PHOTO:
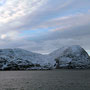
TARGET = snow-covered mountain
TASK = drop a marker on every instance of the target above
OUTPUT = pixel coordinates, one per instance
(71, 57)
(65, 57)
(21, 59)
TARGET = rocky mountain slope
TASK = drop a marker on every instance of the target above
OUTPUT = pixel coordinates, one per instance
(65, 57)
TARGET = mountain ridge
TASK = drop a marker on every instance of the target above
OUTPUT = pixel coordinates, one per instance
(20, 59)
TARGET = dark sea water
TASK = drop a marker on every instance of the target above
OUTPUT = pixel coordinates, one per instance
(45, 80)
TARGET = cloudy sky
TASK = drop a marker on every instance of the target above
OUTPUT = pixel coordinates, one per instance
(44, 25)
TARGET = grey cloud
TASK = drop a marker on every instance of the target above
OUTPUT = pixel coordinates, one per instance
(72, 26)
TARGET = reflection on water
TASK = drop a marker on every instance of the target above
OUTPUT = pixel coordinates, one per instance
(45, 80)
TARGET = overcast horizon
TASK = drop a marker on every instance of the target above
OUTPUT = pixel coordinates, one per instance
(43, 26)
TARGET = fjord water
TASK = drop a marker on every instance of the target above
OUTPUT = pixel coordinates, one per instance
(45, 80)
